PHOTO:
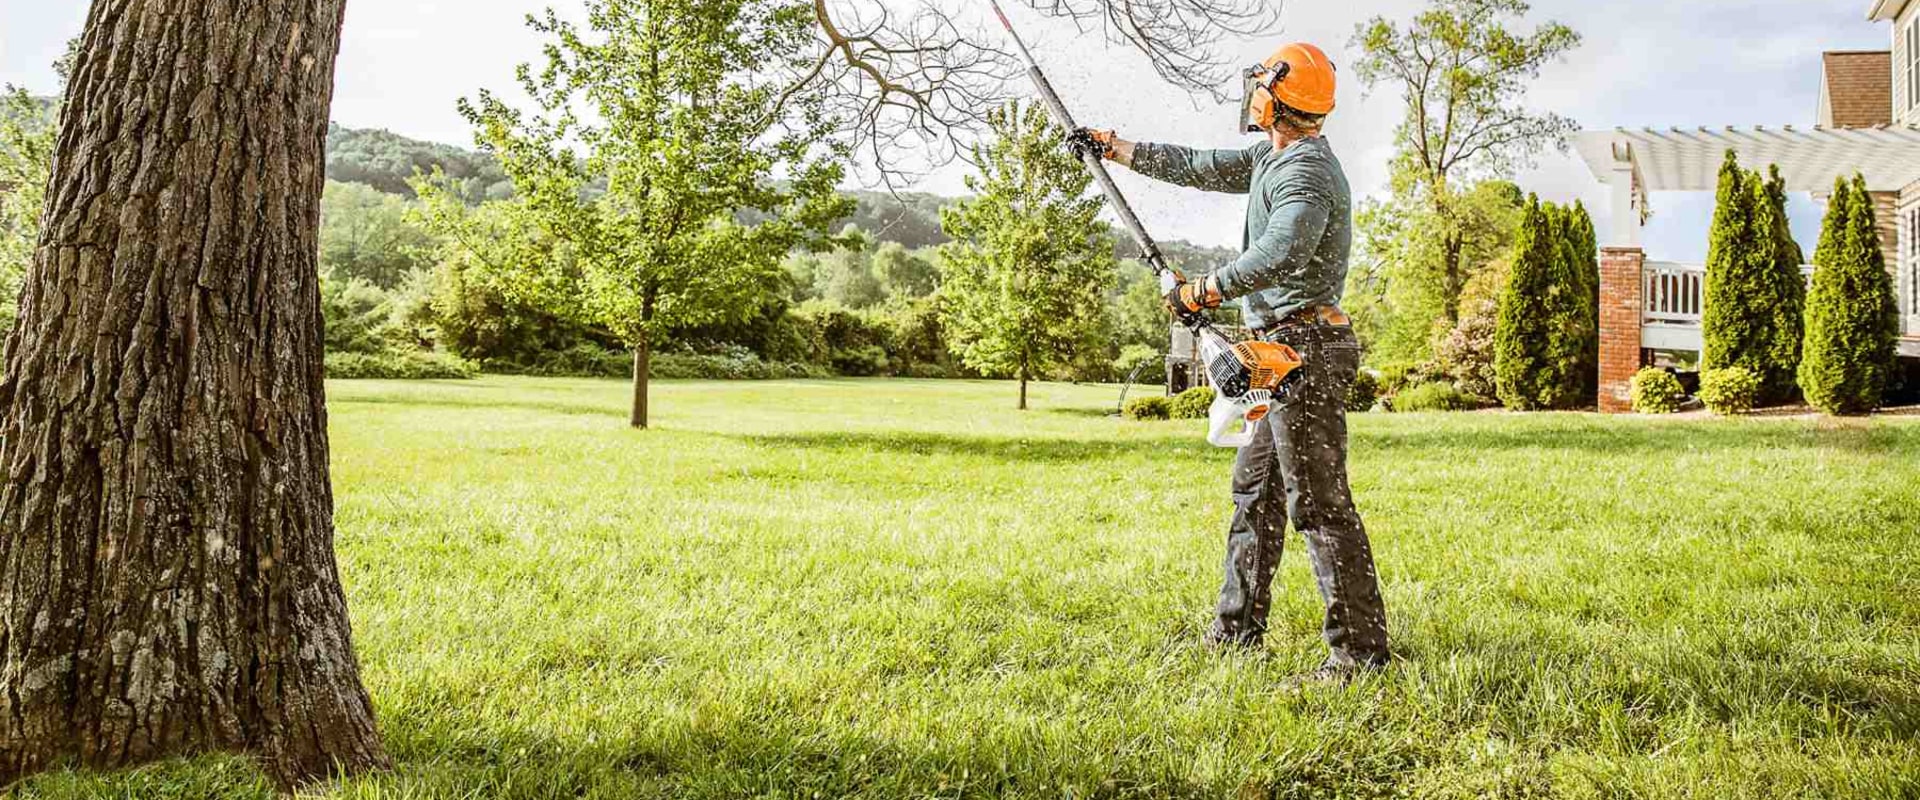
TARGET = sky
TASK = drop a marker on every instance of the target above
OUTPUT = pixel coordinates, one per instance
(1643, 63)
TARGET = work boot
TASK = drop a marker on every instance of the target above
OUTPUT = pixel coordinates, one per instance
(1219, 640)
(1328, 674)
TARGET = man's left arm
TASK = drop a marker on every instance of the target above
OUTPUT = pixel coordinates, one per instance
(1281, 251)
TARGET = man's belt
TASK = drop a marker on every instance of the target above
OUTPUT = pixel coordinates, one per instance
(1303, 317)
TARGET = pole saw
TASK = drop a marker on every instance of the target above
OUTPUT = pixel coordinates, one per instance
(1245, 376)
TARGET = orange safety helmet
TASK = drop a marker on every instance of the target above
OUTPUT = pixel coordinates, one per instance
(1299, 75)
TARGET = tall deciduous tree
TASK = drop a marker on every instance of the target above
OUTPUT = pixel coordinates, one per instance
(1755, 293)
(1852, 320)
(689, 110)
(167, 575)
(1028, 271)
(1463, 74)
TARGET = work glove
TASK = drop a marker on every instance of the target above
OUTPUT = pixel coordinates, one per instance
(1088, 140)
(1187, 300)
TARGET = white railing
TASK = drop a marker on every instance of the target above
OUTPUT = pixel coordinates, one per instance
(1674, 292)
(1674, 295)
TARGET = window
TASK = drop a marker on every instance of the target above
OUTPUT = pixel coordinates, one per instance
(1912, 62)
(1913, 262)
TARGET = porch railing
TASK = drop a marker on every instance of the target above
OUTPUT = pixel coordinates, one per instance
(1675, 295)
(1674, 292)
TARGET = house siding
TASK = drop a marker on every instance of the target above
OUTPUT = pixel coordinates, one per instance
(1904, 109)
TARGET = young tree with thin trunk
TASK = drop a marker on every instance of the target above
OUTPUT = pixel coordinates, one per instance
(167, 576)
(1027, 275)
(694, 114)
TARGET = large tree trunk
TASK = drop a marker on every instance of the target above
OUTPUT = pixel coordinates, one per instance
(167, 576)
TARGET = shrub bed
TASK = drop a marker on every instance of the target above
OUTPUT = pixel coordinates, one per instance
(399, 366)
(1191, 404)
(1732, 390)
(1434, 397)
(1142, 409)
(1657, 391)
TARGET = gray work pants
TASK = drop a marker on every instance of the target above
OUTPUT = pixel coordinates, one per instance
(1296, 468)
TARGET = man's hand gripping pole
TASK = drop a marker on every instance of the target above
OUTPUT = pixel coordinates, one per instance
(1245, 376)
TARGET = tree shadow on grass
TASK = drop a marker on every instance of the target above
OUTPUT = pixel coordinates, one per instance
(1631, 438)
(1187, 443)
(488, 402)
(995, 448)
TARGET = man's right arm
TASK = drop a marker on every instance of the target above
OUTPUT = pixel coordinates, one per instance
(1228, 171)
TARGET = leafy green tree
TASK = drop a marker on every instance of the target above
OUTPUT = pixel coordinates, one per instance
(501, 283)
(1463, 73)
(1398, 293)
(847, 277)
(687, 111)
(1852, 321)
(1754, 294)
(1537, 335)
(905, 273)
(368, 235)
(1028, 271)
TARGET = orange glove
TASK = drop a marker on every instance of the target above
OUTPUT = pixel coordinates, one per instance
(1188, 299)
(1088, 140)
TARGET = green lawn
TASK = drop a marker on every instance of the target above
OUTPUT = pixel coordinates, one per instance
(901, 588)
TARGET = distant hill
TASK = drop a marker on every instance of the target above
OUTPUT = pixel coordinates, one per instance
(386, 161)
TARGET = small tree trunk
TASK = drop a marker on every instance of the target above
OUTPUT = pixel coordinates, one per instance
(167, 575)
(641, 368)
(1023, 387)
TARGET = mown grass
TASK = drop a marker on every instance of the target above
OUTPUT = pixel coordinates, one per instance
(897, 588)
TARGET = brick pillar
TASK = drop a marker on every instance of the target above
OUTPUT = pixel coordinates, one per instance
(1622, 308)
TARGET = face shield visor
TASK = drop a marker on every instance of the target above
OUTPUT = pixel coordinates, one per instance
(1256, 96)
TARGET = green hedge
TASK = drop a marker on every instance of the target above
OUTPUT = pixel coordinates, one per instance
(400, 366)
(728, 367)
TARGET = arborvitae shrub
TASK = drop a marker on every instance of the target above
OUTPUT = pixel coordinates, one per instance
(1852, 322)
(1538, 332)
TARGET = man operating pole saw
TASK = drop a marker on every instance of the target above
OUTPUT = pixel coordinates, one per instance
(1299, 228)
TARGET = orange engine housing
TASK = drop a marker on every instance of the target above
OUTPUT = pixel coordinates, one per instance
(1267, 363)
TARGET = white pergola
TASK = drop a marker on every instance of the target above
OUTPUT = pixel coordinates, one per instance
(1636, 162)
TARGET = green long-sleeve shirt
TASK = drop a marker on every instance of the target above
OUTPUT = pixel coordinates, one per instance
(1299, 228)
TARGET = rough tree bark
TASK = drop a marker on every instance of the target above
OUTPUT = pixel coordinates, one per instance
(167, 576)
